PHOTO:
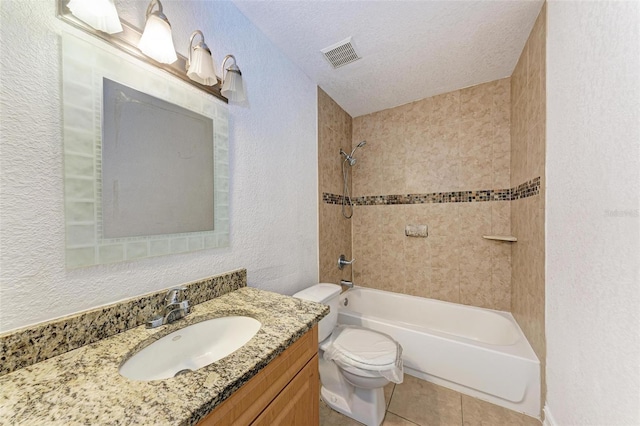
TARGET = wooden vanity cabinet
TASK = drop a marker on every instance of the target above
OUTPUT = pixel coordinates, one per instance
(285, 392)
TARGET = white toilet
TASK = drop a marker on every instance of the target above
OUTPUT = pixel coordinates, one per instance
(355, 362)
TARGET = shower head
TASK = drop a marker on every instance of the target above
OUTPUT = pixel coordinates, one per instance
(349, 157)
(360, 145)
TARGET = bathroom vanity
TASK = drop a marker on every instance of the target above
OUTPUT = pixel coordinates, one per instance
(272, 379)
(285, 392)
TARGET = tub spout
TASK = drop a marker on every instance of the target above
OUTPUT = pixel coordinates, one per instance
(348, 284)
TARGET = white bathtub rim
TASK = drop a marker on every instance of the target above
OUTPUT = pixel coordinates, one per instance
(475, 308)
(520, 349)
(504, 316)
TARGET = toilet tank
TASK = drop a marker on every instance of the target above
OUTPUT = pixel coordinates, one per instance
(327, 294)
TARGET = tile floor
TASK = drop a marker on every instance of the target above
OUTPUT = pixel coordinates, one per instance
(417, 402)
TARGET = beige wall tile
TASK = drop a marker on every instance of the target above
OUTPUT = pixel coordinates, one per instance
(476, 137)
(442, 252)
(335, 239)
(476, 173)
(475, 220)
(454, 141)
(392, 219)
(445, 108)
(443, 284)
(389, 268)
(334, 132)
(426, 177)
(501, 170)
(392, 180)
(417, 254)
(536, 151)
(527, 162)
(441, 219)
(417, 114)
(476, 102)
(476, 288)
(519, 76)
(416, 281)
(501, 218)
(419, 146)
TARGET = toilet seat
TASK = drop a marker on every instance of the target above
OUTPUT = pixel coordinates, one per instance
(365, 349)
(364, 352)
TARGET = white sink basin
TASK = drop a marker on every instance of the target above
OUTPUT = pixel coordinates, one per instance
(190, 348)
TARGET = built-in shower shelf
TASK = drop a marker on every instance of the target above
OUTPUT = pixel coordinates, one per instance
(508, 238)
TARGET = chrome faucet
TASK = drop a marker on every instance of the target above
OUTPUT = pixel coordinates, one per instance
(348, 284)
(176, 307)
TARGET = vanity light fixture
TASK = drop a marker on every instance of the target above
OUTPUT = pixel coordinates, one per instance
(201, 67)
(99, 14)
(156, 41)
(232, 85)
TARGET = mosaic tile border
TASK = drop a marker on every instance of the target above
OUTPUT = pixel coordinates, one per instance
(527, 189)
(32, 344)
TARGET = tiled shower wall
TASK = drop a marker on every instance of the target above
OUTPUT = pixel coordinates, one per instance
(334, 132)
(528, 101)
(458, 141)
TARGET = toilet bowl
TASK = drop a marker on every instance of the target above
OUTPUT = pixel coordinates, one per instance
(355, 363)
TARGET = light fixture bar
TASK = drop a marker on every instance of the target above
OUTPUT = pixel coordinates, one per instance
(127, 41)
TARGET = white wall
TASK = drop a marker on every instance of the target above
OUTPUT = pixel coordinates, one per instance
(273, 168)
(593, 228)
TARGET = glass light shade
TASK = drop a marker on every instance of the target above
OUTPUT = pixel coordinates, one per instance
(156, 41)
(202, 67)
(233, 87)
(100, 14)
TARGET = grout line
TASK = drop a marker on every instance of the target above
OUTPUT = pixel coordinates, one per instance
(461, 412)
(405, 419)
(386, 408)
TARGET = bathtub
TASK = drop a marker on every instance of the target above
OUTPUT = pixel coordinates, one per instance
(475, 351)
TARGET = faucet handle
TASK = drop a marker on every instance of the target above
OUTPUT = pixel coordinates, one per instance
(173, 295)
(342, 261)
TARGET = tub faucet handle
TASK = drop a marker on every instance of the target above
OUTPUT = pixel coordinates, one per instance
(342, 261)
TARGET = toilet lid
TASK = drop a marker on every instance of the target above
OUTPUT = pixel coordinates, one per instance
(367, 349)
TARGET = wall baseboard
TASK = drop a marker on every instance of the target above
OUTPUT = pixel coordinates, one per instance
(548, 417)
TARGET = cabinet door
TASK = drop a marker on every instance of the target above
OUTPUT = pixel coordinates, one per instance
(298, 404)
(246, 404)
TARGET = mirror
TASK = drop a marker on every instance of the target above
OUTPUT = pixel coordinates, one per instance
(146, 160)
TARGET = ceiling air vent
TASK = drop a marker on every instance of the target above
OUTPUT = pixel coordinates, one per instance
(341, 53)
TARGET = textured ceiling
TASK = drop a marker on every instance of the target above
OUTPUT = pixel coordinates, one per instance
(410, 49)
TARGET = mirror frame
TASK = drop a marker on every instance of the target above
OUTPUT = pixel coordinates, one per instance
(85, 63)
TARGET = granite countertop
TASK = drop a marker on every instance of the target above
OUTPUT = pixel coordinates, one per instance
(83, 386)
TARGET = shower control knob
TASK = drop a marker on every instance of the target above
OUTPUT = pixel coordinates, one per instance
(342, 261)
